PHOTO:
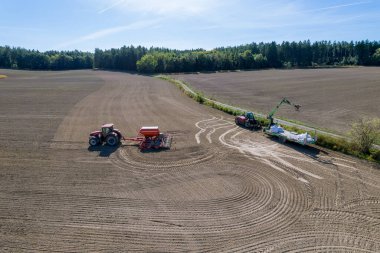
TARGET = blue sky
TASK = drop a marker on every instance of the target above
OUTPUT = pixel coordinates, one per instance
(89, 24)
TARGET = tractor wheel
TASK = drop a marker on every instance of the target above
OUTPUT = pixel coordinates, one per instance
(246, 124)
(93, 141)
(236, 121)
(282, 139)
(112, 140)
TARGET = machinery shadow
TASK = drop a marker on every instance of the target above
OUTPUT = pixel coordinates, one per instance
(104, 150)
(154, 150)
(251, 129)
(310, 151)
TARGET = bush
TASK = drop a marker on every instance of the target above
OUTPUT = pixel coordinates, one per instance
(199, 98)
(364, 133)
(263, 121)
(287, 65)
(344, 146)
(147, 64)
(376, 155)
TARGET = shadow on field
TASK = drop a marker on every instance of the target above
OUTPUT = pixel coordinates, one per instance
(104, 150)
(309, 151)
(253, 129)
(154, 150)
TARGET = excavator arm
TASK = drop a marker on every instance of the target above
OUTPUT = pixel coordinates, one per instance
(283, 101)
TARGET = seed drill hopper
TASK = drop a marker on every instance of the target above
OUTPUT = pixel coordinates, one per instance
(150, 137)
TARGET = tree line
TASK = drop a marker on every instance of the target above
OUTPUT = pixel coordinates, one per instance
(250, 56)
(160, 60)
(20, 58)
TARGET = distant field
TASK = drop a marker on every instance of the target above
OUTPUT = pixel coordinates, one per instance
(330, 98)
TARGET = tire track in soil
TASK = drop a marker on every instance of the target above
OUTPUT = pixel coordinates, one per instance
(287, 167)
(124, 158)
(220, 187)
(262, 151)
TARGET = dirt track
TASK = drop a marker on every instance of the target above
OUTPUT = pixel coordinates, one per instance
(220, 187)
(331, 98)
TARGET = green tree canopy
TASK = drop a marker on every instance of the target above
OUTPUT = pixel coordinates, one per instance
(147, 64)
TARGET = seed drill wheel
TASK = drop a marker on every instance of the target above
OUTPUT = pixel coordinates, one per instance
(93, 141)
(112, 139)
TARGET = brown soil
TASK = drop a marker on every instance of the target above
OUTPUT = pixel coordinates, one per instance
(330, 98)
(220, 187)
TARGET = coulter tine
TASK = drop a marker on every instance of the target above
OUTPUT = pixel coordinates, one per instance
(168, 141)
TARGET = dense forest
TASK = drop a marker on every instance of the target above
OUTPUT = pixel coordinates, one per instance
(251, 56)
(158, 60)
(19, 58)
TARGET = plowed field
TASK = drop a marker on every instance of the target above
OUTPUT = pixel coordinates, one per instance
(330, 98)
(219, 188)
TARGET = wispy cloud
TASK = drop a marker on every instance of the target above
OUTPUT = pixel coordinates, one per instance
(336, 6)
(286, 15)
(114, 5)
(163, 7)
(105, 32)
(28, 29)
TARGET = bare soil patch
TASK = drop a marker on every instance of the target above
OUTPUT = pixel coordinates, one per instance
(330, 98)
(220, 187)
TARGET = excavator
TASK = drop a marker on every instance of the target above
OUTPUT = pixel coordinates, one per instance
(276, 130)
(274, 110)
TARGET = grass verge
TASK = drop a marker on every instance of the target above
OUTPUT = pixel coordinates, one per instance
(333, 143)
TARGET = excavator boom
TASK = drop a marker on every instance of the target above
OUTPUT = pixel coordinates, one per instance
(283, 101)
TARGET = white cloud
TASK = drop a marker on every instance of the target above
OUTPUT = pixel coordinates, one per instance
(105, 32)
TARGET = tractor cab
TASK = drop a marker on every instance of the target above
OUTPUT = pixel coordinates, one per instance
(249, 115)
(106, 129)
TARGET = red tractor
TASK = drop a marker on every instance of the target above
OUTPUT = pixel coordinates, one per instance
(149, 137)
(248, 120)
(107, 134)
